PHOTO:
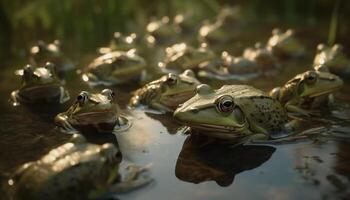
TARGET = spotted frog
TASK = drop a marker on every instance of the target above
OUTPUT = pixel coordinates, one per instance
(332, 59)
(306, 91)
(39, 85)
(93, 112)
(117, 67)
(285, 44)
(76, 170)
(234, 113)
(166, 93)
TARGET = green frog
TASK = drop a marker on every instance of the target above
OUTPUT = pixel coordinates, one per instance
(162, 31)
(228, 67)
(93, 111)
(285, 44)
(332, 59)
(181, 56)
(76, 170)
(225, 28)
(234, 113)
(166, 93)
(39, 85)
(306, 91)
(120, 42)
(44, 52)
(263, 58)
(117, 67)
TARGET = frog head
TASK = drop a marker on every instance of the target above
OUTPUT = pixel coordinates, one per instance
(213, 112)
(314, 83)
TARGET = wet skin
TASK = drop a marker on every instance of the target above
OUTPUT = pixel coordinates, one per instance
(234, 113)
(166, 93)
(116, 67)
(39, 85)
(301, 92)
(73, 170)
(95, 111)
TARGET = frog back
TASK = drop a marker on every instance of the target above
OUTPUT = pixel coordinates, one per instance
(263, 113)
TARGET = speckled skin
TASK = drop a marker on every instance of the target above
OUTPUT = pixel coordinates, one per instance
(159, 95)
(301, 94)
(262, 114)
(260, 109)
(75, 170)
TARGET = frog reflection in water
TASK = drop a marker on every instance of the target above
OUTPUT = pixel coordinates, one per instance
(76, 170)
(93, 112)
(285, 44)
(181, 56)
(332, 59)
(116, 67)
(307, 91)
(50, 52)
(220, 163)
(234, 113)
(166, 93)
(39, 85)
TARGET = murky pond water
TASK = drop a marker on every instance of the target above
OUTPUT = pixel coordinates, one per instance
(307, 169)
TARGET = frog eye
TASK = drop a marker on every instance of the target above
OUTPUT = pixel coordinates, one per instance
(310, 77)
(50, 66)
(189, 73)
(225, 104)
(82, 97)
(276, 31)
(28, 69)
(321, 47)
(290, 32)
(171, 79)
(109, 93)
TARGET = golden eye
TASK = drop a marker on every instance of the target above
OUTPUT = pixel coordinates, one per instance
(225, 104)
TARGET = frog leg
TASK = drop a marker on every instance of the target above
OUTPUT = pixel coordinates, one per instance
(134, 179)
(295, 109)
(63, 123)
(14, 98)
(64, 95)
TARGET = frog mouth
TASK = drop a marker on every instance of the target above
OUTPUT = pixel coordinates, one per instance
(216, 128)
(96, 117)
(323, 92)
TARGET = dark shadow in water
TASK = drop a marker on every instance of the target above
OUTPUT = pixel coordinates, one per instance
(167, 121)
(218, 162)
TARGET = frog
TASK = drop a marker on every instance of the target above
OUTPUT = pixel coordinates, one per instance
(285, 44)
(167, 92)
(77, 170)
(93, 112)
(117, 67)
(39, 85)
(234, 114)
(264, 59)
(181, 56)
(224, 28)
(162, 31)
(332, 59)
(228, 67)
(44, 52)
(120, 42)
(307, 91)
